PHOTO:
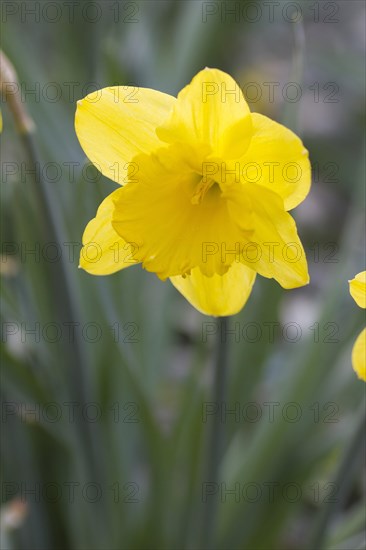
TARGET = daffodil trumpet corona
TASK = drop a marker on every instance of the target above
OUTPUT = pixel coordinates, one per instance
(205, 190)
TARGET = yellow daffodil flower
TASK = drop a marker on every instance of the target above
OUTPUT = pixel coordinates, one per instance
(357, 288)
(206, 186)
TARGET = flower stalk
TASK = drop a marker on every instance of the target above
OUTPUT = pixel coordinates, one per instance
(64, 306)
(10, 91)
(216, 434)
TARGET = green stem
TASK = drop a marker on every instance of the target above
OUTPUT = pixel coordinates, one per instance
(59, 280)
(342, 483)
(216, 435)
(71, 357)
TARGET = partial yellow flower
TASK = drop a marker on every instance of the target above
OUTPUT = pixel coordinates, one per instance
(359, 356)
(357, 288)
(206, 189)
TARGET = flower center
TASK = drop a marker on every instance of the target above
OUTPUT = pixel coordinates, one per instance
(202, 188)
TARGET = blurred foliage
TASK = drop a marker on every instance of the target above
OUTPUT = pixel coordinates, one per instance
(116, 446)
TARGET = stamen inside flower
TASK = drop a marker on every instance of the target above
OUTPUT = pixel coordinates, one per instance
(202, 188)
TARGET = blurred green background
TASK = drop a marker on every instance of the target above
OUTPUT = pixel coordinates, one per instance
(107, 382)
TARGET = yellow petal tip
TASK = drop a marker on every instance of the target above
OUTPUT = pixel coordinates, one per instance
(357, 288)
(358, 356)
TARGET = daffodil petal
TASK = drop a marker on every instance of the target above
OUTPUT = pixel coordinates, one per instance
(173, 232)
(115, 124)
(220, 294)
(277, 159)
(359, 356)
(104, 252)
(210, 111)
(357, 288)
(275, 250)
